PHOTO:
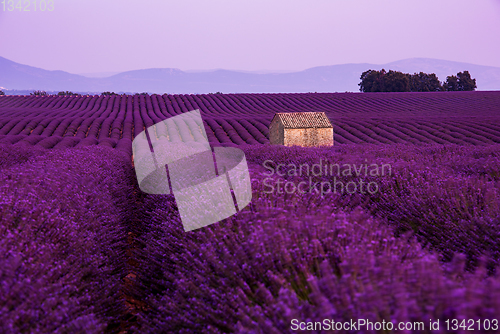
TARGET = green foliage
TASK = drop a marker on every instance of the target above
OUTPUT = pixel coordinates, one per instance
(1, 92)
(394, 81)
(451, 83)
(215, 93)
(423, 82)
(108, 93)
(382, 81)
(372, 81)
(465, 82)
(39, 93)
(64, 93)
(461, 82)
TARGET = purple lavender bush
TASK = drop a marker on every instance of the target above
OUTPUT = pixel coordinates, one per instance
(11, 155)
(448, 195)
(63, 216)
(302, 256)
(84, 250)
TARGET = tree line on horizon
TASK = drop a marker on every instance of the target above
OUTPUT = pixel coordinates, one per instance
(373, 81)
(395, 81)
(68, 93)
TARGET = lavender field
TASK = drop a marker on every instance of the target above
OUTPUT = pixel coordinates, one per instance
(85, 251)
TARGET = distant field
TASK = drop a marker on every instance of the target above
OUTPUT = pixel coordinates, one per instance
(386, 118)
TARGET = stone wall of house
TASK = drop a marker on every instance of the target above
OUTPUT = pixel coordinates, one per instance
(276, 132)
(308, 137)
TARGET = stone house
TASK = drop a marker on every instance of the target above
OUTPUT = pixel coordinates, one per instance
(301, 129)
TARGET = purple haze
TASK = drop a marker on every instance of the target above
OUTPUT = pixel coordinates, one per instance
(112, 36)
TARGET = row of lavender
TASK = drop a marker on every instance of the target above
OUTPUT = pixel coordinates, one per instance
(425, 246)
(86, 251)
(119, 130)
(244, 118)
(251, 105)
(64, 219)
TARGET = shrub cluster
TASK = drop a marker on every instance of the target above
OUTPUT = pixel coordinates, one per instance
(67, 93)
(395, 81)
(39, 93)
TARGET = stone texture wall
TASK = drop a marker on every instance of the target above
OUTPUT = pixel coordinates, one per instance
(276, 132)
(308, 137)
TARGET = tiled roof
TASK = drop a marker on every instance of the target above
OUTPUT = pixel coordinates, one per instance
(300, 120)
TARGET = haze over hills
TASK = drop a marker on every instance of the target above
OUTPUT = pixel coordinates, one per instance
(334, 78)
(98, 74)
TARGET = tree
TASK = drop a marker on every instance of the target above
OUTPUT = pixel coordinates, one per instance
(423, 82)
(109, 93)
(1, 93)
(382, 81)
(395, 81)
(372, 81)
(66, 93)
(465, 82)
(451, 83)
(461, 82)
(39, 93)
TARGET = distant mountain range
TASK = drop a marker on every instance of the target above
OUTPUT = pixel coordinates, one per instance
(335, 78)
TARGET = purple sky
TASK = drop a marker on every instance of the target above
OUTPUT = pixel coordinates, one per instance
(117, 35)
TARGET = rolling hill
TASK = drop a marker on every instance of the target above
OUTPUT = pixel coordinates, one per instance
(335, 78)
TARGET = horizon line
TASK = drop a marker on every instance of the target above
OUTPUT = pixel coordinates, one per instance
(86, 74)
